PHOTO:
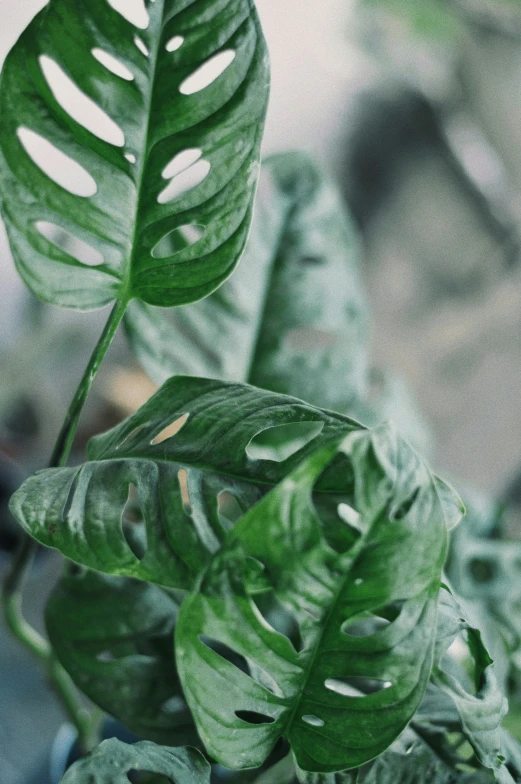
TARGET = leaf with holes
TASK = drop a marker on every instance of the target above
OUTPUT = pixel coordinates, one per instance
(478, 700)
(114, 636)
(367, 616)
(129, 148)
(162, 489)
(112, 761)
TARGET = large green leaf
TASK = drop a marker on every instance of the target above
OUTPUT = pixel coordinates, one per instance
(177, 484)
(112, 761)
(114, 636)
(367, 613)
(120, 103)
(293, 318)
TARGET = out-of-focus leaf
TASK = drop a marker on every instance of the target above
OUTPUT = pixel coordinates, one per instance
(126, 171)
(112, 761)
(293, 318)
(115, 638)
(181, 485)
(367, 615)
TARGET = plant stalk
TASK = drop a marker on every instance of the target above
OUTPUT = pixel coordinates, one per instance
(22, 562)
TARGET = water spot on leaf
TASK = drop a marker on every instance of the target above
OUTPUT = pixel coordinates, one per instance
(313, 721)
(112, 64)
(228, 509)
(64, 171)
(175, 43)
(252, 717)
(141, 45)
(177, 240)
(207, 73)
(183, 485)
(78, 105)
(134, 11)
(133, 524)
(171, 430)
(185, 181)
(80, 250)
(280, 442)
(356, 686)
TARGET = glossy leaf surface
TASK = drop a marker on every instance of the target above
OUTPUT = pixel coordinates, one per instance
(112, 761)
(293, 318)
(99, 116)
(177, 484)
(367, 615)
(115, 638)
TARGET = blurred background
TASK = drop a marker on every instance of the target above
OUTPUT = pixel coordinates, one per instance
(414, 108)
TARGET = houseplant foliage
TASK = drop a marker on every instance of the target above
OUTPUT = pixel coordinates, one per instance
(253, 579)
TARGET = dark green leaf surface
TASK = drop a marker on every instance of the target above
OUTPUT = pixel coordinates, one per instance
(112, 760)
(177, 483)
(293, 318)
(389, 577)
(121, 147)
(114, 636)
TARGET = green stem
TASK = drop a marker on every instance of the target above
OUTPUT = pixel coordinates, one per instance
(21, 564)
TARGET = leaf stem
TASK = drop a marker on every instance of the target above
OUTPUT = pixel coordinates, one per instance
(22, 562)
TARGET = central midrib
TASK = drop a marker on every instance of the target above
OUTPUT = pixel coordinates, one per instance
(158, 7)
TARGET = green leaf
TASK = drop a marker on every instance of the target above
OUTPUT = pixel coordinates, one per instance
(118, 101)
(368, 613)
(112, 760)
(481, 713)
(176, 484)
(293, 318)
(114, 636)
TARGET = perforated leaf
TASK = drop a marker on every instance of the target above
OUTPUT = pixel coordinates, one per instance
(366, 615)
(186, 490)
(115, 638)
(293, 318)
(112, 761)
(127, 169)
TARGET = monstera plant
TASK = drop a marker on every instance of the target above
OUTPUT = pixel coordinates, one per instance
(253, 580)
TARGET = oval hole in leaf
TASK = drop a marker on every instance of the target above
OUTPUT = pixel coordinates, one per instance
(356, 686)
(181, 161)
(174, 705)
(112, 64)
(81, 251)
(405, 508)
(225, 652)
(312, 261)
(143, 777)
(175, 43)
(171, 430)
(64, 171)
(177, 240)
(141, 45)
(462, 664)
(228, 509)
(349, 515)
(185, 181)
(130, 157)
(106, 656)
(365, 627)
(280, 442)
(132, 435)
(313, 721)
(182, 477)
(252, 717)
(207, 73)
(278, 617)
(78, 105)
(134, 11)
(133, 524)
